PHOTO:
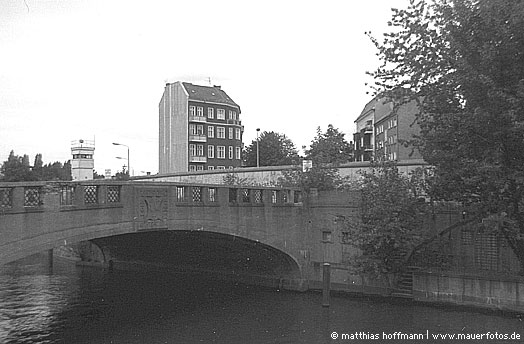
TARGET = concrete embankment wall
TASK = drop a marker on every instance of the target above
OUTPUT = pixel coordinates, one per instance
(506, 293)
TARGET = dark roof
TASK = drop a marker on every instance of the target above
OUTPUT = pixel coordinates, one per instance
(369, 106)
(208, 94)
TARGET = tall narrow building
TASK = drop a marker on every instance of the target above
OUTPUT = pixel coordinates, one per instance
(199, 129)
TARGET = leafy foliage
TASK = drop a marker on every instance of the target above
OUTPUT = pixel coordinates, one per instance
(316, 177)
(391, 222)
(463, 62)
(329, 147)
(274, 150)
(17, 168)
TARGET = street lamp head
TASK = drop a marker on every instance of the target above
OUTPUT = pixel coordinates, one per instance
(116, 144)
(258, 129)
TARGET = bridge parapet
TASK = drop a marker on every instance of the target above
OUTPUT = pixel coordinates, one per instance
(41, 196)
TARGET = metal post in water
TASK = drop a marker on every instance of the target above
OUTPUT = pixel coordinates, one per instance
(50, 259)
(326, 284)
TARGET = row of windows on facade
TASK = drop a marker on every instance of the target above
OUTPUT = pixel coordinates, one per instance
(391, 140)
(198, 150)
(198, 129)
(82, 156)
(390, 124)
(198, 111)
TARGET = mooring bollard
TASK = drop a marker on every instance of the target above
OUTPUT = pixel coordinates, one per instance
(326, 279)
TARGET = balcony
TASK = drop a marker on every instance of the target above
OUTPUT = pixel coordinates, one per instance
(194, 158)
(368, 128)
(234, 121)
(197, 119)
(198, 138)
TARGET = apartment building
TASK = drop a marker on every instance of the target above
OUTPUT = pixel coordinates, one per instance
(199, 129)
(381, 131)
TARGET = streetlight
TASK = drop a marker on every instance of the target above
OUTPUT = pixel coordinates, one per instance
(258, 156)
(128, 162)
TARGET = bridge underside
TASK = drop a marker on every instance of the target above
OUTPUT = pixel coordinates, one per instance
(216, 254)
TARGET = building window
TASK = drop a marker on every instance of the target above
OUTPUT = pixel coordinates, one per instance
(237, 133)
(200, 167)
(192, 168)
(221, 167)
(192, 129)
(234, 115)
(238, 153)
(191, 111)
(221, 132)
(210, 131)
(200, 150)
(200, 129)
(211, 151)
(211, 168)
(230, 133)
(192, 149)
(230, 114)
(230, 152)
(326, 236)
(200, 111)
(221, 114)
(210, 113)
(221, 152)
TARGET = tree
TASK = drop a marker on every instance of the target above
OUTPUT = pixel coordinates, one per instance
(463, 62)
(329, 147)
(317, 177)
(391, 222)
(16, 168)
(274, 149)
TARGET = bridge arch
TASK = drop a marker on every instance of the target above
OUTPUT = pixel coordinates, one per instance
(212, 253)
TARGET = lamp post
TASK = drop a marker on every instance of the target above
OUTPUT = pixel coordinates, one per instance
(258, 156)
(128, 162)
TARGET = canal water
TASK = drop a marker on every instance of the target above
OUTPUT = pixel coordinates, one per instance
(88, 305)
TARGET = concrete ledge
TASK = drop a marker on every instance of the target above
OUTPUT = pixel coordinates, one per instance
(504, 294)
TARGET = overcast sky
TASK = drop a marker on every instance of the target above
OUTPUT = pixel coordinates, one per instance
(72, 69)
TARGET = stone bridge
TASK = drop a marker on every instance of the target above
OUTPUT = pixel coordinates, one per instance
(262, 234)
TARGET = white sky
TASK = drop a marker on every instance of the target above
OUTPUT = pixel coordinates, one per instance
(72, 69)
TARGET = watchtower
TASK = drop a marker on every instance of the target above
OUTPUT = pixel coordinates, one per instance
(83, 163)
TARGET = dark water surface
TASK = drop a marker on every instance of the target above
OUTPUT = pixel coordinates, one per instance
(88, 305)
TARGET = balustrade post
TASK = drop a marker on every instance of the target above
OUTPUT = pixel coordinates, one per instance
(17, 200)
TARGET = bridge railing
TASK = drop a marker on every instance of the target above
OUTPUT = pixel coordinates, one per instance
(39, 196)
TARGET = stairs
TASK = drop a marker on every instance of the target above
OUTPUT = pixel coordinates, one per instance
(404, 288)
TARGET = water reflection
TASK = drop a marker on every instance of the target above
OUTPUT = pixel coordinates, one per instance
(84, 305)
